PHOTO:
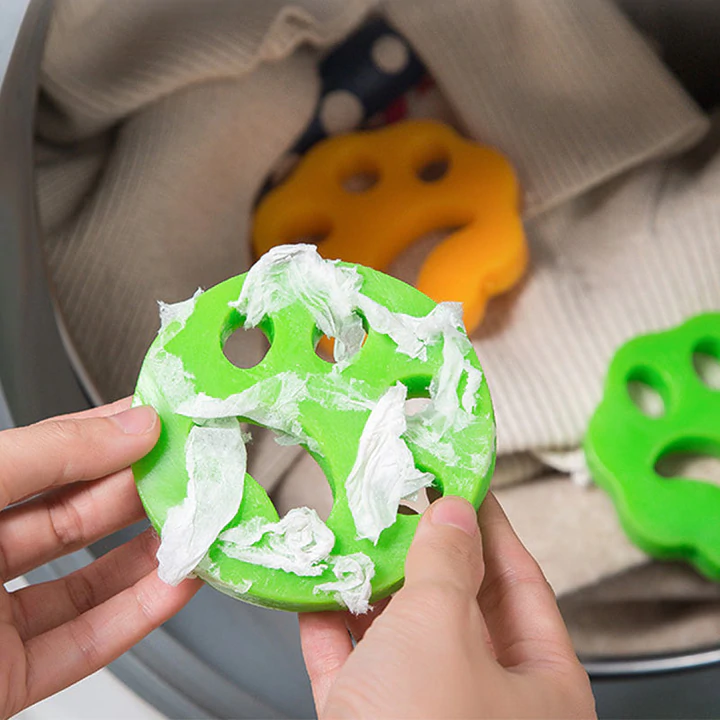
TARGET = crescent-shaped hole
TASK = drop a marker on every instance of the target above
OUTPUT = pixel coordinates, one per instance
(647, 391)
(246, 348)
(706, 362)
(304, 484)
(694, 459)
(361, 182)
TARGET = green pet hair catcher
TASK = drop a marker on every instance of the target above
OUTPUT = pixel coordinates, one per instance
(391, 343)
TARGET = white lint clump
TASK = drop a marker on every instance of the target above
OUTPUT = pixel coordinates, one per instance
(353, 586)
(273, 403)
(412, 334)
(164, 376)
(299, 543)
(171, 313)
(290, 273)
(384, 471)
(450, 412)
(215, 459)
(208, 567)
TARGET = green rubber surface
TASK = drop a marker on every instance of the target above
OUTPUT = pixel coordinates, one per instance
(666, 517)
(162, 478)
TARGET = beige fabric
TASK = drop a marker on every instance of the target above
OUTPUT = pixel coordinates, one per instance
(172, 112)
(551, 518)
(514, 468)
(159, 121)
(107, 60)
(640, 628)
(636, 255)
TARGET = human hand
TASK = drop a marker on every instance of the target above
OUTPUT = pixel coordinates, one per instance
(75, 472)
(474, 633)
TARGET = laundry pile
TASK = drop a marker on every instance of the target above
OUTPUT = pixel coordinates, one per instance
(159, 123)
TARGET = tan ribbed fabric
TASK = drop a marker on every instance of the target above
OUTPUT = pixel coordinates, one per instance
(160, 120)
(639, 254)
(168, 115)
(107, 60)
(568, 90)
(641, 628)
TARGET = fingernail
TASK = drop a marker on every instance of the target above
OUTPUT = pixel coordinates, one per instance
(137, 420)
(455, 511)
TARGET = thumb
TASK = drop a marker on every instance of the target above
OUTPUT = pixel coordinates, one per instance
(447, 549)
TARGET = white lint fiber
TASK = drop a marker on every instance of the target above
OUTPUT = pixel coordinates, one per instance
(178, 313)
(164, 375)
(448, 411)
(412, 334)
(215, 459)
(273, 403)
(336, 391)
(208, 567)
(352, 588)
(384, 471)
(290, 273)
(299, 543)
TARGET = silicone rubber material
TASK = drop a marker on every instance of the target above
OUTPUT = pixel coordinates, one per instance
(666, 517)
(162, 476)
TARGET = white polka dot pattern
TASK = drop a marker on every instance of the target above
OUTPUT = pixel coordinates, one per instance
(390, 54)
(341, 111)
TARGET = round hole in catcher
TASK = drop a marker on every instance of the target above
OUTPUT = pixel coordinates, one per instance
(325, 348)
(706, 361)
(418, 394)
(246, 348)
(341, 111)
(647, 391)
(434, 170)
(390, 54)
(361, 182)
(325, 345)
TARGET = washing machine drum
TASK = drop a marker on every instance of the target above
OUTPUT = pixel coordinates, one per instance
(134, 179)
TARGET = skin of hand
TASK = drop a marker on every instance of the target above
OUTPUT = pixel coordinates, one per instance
(65, 483)
(475, 632)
